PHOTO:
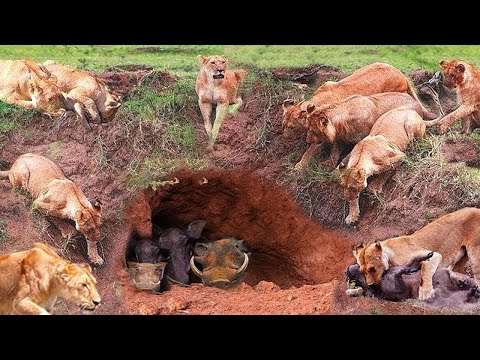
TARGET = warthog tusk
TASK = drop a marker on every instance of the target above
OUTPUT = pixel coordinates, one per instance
(244, 265)
(194, 268)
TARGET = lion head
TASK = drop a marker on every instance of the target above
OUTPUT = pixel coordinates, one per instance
(77, 284)
(353, 181)
(293, 115)
(318, 122)
(47, 97)
(372, 260)
(454, 73)
(215, 66)
(88, 221)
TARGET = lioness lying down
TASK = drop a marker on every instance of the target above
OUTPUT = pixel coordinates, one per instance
(378, 153)
(449, 237)
(350, 120)
(402, 282)
(84, 89)
(57, 196)
(371, 79)
(32, 280)
(24, 83)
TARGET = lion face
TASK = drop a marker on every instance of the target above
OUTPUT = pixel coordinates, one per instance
(111, 107)
(353, 182)
(293, 115)
(454, 73)
(78, 285)
(374, 264)
(215, 66)
(88, 223)
(46, 96)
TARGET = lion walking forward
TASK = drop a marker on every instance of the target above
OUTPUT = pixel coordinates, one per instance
(57, 196)
(32, 280)
(449, 238)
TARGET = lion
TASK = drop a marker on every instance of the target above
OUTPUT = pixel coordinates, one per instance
(24, 83)
(368, 80)
(217, 86)
(350, 120)
(55, 195)
(466, 79)
(378, 154)
(449, 237)
(32, 280)
(84, 89)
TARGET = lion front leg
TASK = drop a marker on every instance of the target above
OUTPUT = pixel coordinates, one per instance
(353, 212)
(27, 307)
(426, 291)
(206, 110)
(93, 255)
(221, 112)
(238, 103)
(461, 112)
(311, 151)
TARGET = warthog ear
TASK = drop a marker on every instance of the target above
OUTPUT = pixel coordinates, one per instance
(287, 104)
(310, 108)
(200, 249)
(195, 228)
(203, 59)
(112, 104)
(461, 67)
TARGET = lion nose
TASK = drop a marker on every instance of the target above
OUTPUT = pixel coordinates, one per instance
(220, 70)
(96, 302)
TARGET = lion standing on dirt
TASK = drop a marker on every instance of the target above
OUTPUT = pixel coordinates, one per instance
(449, 237)
(217, 86)
(57, 196)
(32, 280)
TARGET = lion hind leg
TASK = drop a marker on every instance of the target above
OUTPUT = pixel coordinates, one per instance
(426, 292)
(237, 104)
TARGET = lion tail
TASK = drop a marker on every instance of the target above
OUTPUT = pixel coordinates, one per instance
(4, 174)
(426, 114)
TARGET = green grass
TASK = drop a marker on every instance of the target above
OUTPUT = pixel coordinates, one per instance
(182, 60)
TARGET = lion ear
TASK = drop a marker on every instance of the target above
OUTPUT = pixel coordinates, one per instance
(60, 269)
(378, 245)
(310, 108)
(79, 216)
(287, 104)
(461, 67)
(443, 63)
(203, 59)
(85, 266)
(357, 250)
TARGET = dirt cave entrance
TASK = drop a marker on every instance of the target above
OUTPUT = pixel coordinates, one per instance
(287, 248)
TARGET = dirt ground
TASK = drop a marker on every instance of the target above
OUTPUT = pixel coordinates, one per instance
(292, 225)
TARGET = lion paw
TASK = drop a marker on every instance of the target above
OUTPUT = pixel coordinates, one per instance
(300, 166)
(425, 293)
(443, 128)
(96, 261)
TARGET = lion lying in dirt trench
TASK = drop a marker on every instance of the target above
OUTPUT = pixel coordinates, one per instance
(57, 196)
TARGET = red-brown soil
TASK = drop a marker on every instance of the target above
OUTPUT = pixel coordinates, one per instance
(292, 223)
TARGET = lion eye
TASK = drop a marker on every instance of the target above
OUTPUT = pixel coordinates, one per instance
(85, 285)
(212, 62)
(223, 62)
